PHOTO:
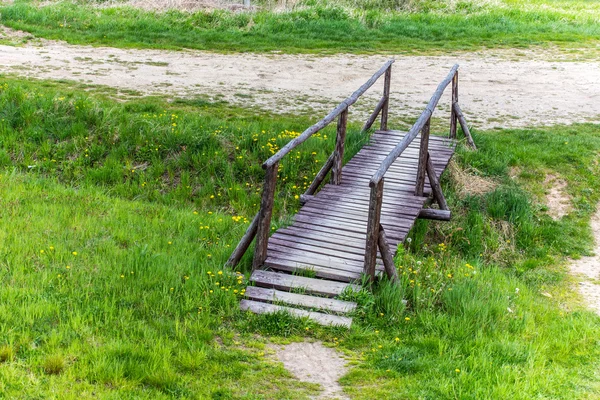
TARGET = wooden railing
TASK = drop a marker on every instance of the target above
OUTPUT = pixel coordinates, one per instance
(260, 226)
(375, 232)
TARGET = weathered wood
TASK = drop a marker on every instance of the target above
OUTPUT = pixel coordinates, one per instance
(320, 177)
(463, 125)
(435, 214)
(264, 217)
(423, 154)
(243, 245)
(373, 229)
(323, 319)
(308, 285)
(328, 119)
(374, 115)
(305, 198)
(454, 101)
(319, 303)
(387, 256)
(386, 95)
(276, 262)
(414, 131)
(338, 153)
(438, 195)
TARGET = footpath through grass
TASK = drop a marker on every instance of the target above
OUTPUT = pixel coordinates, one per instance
(330, 27)
(116, 219)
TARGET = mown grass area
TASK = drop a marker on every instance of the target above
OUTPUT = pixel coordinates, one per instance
(329, 27)
(115, 224)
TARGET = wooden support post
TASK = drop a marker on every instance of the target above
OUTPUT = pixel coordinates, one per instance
(338, 154)
(454, 101)
(373, 229)
(463, 125)
(243, 245)
(387, 256)
(374, 115)
(423, 154)
(264, 217)
(386, 95)
(438, 215)
(320, 177)
(435, 185)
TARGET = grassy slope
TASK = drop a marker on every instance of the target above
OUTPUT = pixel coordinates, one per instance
(323, 28)
(137, 313)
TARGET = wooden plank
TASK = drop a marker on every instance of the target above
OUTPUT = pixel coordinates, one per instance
(327, 237)
(438, 215)
(290, 266)
(287, 282)
(311, 258)
(317, 248)
(264, 217)
(320, 318)
(338, 153)
(319, 303)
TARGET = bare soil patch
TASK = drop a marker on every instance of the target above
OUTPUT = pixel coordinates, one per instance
(557, 198)
(314, 363)
(497, 89)
(588, 270)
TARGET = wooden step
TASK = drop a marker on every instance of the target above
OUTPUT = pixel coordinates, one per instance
(286, 282)
(323, 319)
(313, 302)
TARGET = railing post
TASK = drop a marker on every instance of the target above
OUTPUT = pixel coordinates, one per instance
(264, 217)
(386, 95)
(338, 154)
(423, 152)
(373, 228)
(436, 189)
(453, 116)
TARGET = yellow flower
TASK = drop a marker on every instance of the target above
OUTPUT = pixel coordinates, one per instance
(74, 253)
(457, 370)
(220, 272)
(407, 319)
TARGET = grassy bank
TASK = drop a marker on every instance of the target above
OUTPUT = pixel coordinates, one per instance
(326, 27)
(115, 220)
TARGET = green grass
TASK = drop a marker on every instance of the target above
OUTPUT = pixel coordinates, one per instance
(331, 27)
(109, 277)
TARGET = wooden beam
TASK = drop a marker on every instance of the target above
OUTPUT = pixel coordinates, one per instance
(423, 152)
(386, 96)
(463, 125)
(372, 241)
(320, 177)
(435, 214)
(328, 119)
(454, 101)
(435, 185)
(338, 153)
(264, 218)
(387, 256)
(244, 243)
(414, 131)
(373, 116)
(305, 198)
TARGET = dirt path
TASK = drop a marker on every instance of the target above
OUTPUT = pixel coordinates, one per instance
(497, 89)
(588, 269)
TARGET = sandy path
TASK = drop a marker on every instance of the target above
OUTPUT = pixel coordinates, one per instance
(588, 269)
(495, 90)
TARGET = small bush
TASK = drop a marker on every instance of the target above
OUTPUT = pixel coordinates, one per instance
(6, 353)
(54, 364)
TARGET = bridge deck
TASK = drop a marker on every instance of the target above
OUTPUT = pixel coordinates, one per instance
(323, 251)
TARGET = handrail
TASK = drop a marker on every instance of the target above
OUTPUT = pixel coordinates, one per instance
(328, 119)
(414, 131)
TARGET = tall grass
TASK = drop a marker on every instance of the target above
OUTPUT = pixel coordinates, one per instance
(316, 28)
(114, 288)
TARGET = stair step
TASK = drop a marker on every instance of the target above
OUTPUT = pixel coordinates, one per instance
(281, 264)
(323, 319)
(319, 303)
(287, 282)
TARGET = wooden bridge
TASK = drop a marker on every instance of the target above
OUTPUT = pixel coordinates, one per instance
(354, 224)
